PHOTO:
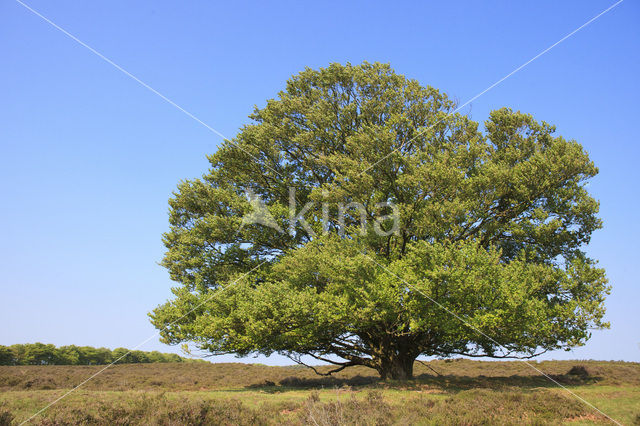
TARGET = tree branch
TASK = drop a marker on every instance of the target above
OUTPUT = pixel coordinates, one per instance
(296, 358)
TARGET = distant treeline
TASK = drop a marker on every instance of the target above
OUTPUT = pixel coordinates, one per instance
(47, 354)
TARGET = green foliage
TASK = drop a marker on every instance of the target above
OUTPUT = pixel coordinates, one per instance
(42, 354)
(488, 259)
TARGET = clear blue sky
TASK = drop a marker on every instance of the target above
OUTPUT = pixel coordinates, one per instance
(89, 158)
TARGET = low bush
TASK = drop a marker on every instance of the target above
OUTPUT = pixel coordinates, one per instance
(154, 410)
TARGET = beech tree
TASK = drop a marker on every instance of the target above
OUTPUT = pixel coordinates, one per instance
(444, 238)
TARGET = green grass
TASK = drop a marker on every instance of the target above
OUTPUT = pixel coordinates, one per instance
(465, 393)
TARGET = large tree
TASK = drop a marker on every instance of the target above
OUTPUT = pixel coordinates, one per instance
(485, 259)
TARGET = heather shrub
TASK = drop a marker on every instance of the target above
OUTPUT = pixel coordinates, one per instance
(154, 410)
(372, 410)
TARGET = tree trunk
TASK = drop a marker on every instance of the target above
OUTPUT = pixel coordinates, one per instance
(396, 368)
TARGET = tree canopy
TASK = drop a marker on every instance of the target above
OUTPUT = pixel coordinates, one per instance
(444, 237)
(48, 354)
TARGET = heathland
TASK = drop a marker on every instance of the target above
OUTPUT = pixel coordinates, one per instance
(460, 391)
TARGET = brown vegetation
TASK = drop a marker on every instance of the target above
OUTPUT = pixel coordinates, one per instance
(458, 373)
(444, 392)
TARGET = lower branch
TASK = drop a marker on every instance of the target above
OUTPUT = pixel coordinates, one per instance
(429, 367)
(342, 365)
(506, 356)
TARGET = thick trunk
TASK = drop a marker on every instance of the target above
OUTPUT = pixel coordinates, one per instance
(396, 368)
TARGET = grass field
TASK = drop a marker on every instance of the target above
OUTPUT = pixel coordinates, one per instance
(459, 392)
